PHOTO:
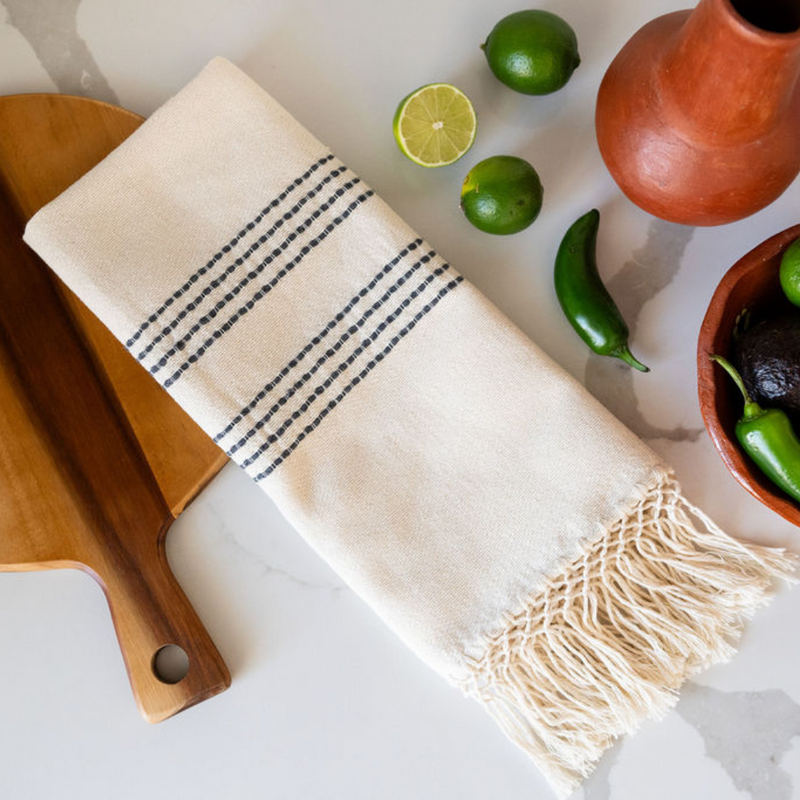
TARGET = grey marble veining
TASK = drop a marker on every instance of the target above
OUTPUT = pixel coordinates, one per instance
(747, 733)
(256, 562)
(649, 271)
(50, 27)
(598, 785)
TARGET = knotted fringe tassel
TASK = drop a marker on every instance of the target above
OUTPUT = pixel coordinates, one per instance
(660, 595)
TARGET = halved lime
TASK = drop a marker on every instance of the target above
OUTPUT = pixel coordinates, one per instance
(435, 125)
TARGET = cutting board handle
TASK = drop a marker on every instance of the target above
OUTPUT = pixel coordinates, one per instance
(150, 611)
(95, 458)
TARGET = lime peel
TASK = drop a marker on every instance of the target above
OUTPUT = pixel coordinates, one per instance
(533, 51)
(501, 195)
(790, 272)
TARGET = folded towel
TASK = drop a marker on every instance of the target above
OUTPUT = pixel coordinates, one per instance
(511, 531)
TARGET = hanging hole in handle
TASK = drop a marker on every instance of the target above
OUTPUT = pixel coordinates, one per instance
(170, 664)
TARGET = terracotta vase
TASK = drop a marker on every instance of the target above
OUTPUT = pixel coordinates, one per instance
(698, 116)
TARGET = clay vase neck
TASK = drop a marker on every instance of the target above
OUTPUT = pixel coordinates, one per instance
(698, 117)
(723, 60)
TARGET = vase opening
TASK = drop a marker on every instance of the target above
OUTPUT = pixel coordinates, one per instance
(777, 16)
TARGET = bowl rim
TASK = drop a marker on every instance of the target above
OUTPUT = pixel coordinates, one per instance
(708, 373)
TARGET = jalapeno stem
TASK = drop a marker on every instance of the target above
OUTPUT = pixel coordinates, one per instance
(751, 408)
(625, 355)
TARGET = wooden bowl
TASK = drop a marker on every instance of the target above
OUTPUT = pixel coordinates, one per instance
(751, 284)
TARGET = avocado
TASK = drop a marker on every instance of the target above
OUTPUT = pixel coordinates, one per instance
(768, 355)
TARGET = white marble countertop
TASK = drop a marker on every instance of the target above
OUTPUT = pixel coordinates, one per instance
(325, 702)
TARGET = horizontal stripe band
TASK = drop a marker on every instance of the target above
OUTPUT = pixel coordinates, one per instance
(316, 340)
(341, 368)
(263, 291)
(234, 265)
(192, 279)
(360, 377)
(180, 344)
(336, 346)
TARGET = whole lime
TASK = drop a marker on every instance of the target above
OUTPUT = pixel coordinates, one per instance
(790, 272)
(533, 52)
(502, 195)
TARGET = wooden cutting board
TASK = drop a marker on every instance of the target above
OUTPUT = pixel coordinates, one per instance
(96, 460)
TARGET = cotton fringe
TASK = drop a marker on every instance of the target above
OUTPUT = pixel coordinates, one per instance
(662, 594)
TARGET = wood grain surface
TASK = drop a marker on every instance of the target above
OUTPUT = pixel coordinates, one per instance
(96, 460)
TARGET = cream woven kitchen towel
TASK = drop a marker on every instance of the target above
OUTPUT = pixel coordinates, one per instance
(512, 532)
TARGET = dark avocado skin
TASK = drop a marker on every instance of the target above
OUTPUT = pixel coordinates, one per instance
(768, 355)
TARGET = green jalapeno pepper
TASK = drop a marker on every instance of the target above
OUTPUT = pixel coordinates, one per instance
(767, 436)
(584, 299)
